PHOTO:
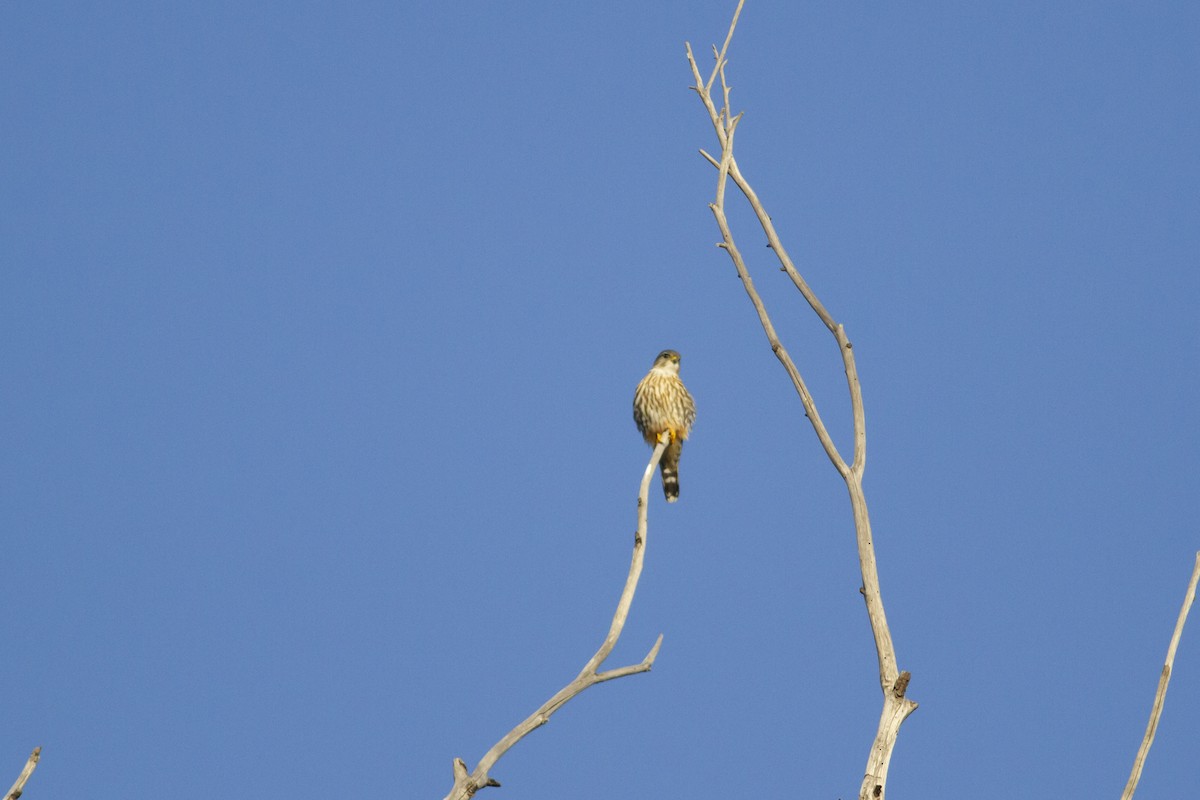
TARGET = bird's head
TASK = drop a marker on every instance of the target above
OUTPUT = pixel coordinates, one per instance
(668, 361)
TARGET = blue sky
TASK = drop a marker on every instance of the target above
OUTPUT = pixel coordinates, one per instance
(320, 324)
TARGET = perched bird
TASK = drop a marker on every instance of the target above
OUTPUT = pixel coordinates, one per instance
(662, 403)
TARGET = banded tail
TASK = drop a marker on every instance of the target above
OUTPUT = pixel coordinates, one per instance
(669, 466)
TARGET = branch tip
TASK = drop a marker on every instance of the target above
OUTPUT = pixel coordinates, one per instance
(19, 786)
(653, 654)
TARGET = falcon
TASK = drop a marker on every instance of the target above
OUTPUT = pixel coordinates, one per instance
(661, 404)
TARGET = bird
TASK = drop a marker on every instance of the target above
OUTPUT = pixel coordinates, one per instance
(662, 404)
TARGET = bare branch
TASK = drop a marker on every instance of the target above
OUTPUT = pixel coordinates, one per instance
(645, 664)
(720, 65)
(894, 684)
(467, 784)
(727, 167)
(19, 786)
(1164, 678)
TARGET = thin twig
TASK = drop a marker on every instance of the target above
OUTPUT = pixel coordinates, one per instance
(19, 786)
(466, 784)
(1164, 678)
(893, 682)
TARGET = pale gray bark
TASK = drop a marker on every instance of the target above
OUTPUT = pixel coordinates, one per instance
(893, 682)
(30, 765)
(1164, 678)
(467, 783)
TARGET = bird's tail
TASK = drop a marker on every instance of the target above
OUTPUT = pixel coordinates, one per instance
(670, 470)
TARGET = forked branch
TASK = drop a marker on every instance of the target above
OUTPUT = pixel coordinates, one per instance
(1164, 678)
(467, 783)
(893, 682)
(19, 786)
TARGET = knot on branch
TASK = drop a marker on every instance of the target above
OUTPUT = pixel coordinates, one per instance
(901, 684)
(464, 781)
(472, 787)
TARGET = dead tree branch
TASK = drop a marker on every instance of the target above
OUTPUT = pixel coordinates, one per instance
(466, 783)
(1164, 678)
(19, 786)
(896, 706)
